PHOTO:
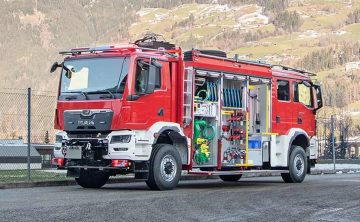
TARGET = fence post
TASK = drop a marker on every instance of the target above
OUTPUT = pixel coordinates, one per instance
(333, 140)
(28, 133)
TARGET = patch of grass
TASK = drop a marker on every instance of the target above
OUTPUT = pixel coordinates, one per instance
(353, 32)
(324, 74)
(288, 44)
(12, 176)
(185, 10)
(354, 106)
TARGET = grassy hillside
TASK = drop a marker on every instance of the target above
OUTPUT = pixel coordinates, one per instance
(293, 32)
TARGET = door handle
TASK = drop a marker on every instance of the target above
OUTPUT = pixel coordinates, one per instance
(277, 119)
(299, 120)
(161, 112)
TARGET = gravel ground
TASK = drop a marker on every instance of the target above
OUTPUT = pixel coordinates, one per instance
(318, 198)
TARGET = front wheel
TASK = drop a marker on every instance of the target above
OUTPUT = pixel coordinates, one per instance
(297, 166)
(165, 167)
(92, 178)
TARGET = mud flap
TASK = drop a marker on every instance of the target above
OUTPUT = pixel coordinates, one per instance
(73, 172)
(141, 170)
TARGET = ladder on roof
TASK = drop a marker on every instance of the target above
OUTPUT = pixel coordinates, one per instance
(187, 96)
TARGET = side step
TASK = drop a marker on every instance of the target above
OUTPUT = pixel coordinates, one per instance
(218, 173)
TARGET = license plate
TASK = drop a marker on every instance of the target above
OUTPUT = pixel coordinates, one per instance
(73, 152)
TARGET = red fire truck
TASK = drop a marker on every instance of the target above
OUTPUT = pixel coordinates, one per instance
(150, 109)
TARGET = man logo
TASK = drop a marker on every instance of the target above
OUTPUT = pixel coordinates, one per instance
(86, 112)
(86, 122)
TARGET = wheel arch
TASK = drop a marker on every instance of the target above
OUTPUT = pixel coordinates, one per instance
(299, 138)
(174, 136)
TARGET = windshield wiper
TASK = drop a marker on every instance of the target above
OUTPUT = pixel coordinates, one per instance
(73, 97)
(104, 91)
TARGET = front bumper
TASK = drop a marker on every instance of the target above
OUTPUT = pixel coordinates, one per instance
(135, 149)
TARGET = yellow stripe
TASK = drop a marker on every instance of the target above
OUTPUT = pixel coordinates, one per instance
(270, 134)
(239, 164)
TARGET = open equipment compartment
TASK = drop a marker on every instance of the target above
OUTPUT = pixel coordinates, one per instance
(234, 120)
(259, 120)
(231, 120)
(206, 118)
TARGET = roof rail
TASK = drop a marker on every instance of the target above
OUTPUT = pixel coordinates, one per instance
(302, 71)
(90, 50)
(78, 51)
(236, 60)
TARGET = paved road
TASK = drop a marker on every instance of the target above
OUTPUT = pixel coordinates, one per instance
(318, 198)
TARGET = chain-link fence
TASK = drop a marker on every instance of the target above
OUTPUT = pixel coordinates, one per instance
(27, 135)
(338, 139)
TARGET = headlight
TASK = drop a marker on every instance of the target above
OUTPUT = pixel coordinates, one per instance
(120, 139)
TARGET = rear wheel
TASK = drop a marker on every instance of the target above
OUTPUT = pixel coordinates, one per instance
(92, 178)
(165, 167)
(297, 166)
(230, 178)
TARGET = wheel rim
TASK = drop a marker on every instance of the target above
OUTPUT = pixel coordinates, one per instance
(299, 165)
(168, 168)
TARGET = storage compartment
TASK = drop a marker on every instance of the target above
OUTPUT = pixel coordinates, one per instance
(233, 121)
(255, 151)
(259, 100)
(206, 120)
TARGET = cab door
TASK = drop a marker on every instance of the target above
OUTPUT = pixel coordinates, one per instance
(282, 112)
(304, 106)
(149, 108)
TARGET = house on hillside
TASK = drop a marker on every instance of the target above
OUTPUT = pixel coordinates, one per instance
(352, 66)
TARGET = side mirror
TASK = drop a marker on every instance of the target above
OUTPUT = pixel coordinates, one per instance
(319, 101)
(54, 67)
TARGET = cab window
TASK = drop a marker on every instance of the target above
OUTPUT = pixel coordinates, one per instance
(142, 75)
(283, 90)
(302, 94)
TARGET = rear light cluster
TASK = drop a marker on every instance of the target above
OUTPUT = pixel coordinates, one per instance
(58, 162)
(120, 163)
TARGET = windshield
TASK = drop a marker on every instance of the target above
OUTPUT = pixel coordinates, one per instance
(95, 76)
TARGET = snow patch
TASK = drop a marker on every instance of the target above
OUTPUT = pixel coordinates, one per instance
(145, 11)
(310, 34)
(329, 166)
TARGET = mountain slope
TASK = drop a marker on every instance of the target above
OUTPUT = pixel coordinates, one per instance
(285, 32)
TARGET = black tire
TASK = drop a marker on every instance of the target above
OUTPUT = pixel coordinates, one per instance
(172, 168)
(230, 178)
(92, 178)
(297, 166)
